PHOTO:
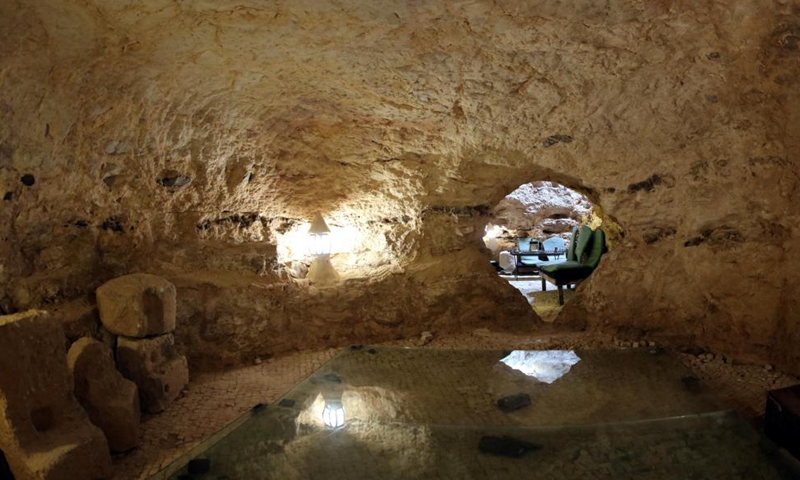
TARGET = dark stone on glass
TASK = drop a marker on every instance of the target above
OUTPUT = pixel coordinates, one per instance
(506, 446)
(8, 196)
(372, 351)
(514, 402)
(332, 377)
(28, 180)
(286, 402)
(356, 347)
(199, 466)
(691, 383)
(258, 407)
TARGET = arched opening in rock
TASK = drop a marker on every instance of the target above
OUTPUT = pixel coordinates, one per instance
(530, 233)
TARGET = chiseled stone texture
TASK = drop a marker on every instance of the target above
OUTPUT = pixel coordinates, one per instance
(137, 305)
(156, 367)
(44, 432)
(191, 139)
(111, 401)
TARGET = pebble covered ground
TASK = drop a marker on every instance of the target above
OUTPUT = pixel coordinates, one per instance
(213, 400)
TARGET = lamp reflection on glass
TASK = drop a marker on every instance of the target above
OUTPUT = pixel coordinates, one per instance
(319, 241)
(333, 414)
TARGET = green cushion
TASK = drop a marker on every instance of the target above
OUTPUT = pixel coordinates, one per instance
(567, 272)
(584, 236)
(597, 249)
(571, 270)
(572, 242)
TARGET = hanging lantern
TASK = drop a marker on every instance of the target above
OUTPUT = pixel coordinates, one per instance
(319, 241)
(333, 414)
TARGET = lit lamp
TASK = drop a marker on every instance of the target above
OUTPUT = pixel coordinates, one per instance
(319, 245)
(333, 414)
(319, 237)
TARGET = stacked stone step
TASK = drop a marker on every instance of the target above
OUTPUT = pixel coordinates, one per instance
(140, 309)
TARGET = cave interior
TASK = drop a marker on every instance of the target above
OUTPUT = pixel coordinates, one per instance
(209, 204)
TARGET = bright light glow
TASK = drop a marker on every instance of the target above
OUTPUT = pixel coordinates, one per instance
(490, 237)
(492, 231)
(544, 365)
(333, 414)
(319, 244)
(297, 244)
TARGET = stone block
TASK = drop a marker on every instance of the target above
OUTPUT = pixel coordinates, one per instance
(156, 367)
(44, 432)
(111, 401)
(137, 305)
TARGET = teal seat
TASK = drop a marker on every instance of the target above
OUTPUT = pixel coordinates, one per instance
(583, 256)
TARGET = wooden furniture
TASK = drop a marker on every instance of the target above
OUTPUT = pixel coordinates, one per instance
(782, 418)
(533, 267)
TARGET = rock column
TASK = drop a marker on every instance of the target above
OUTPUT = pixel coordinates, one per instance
(140, 308)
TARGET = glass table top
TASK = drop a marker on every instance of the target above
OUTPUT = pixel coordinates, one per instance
(422, 413)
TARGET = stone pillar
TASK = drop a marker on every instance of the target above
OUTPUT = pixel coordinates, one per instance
(141, 309)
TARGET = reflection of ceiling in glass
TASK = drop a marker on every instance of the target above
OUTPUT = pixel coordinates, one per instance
(544, 365)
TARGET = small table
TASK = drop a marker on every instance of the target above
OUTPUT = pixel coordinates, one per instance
(518, 254)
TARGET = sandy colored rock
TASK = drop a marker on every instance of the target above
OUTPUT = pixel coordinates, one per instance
(44, 432)
(111, 401)
(137, 305)
(404, 123)
(156, 367)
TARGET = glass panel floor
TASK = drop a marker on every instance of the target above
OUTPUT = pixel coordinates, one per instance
(422, 413)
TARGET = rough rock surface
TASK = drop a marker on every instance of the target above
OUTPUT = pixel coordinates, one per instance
(44, 432)
(111, 401)
(539, 210)
(137, 305)
(537, 207)
(156, 367)
(195, 140)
